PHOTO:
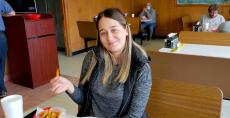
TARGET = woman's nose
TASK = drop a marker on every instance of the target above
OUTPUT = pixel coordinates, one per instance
(109, 36)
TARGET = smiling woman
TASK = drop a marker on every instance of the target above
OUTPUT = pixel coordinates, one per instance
(116, 78)
(113, 36)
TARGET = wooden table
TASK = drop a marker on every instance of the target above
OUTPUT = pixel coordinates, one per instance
(203, 64)
(201, 50)
(63, 101)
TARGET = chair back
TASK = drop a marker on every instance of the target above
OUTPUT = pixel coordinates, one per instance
(87, 29)
(187, 23)
(134, 25)
(175, 99)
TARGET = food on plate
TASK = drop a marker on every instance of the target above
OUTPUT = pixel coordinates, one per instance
(57, 72)
(49, 114)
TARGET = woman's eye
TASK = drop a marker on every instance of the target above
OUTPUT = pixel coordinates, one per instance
(114, 30)
(102, 33)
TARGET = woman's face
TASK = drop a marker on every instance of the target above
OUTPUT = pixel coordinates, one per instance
(112, 35)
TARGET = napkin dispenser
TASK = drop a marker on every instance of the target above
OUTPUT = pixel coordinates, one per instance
(171, 41)
(197, 28)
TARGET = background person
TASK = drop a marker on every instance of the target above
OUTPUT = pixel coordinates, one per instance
(116, 78)
(211, 21)
(5, 10)
(148, 20)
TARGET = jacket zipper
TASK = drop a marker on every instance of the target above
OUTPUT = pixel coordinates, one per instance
(90, 84)
(87, 101)
(127, 99)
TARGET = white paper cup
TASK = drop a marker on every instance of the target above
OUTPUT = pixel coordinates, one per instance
(12, 106)
(206, 27)
(133, 15)
(126, 14)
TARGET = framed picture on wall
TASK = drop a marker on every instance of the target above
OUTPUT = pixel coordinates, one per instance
(181, 2)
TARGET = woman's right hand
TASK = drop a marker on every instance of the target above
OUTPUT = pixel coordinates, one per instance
(60, 84)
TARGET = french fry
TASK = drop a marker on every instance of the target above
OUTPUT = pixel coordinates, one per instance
(53, 115)
(57, 72)
(49, 113)
(44, 114)
(58, 114)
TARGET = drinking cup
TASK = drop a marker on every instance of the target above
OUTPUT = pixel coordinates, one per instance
(12, 106)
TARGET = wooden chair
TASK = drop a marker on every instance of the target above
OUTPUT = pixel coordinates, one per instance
(207, 38)
(187, 23)
(134, 27)
(175, 99)
(87, 31)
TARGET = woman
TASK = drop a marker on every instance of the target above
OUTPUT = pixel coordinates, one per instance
(116, 77)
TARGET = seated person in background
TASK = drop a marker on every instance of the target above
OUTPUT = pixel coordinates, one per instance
(116, 78)
(148, 20)
(224, 27)
(211, 21)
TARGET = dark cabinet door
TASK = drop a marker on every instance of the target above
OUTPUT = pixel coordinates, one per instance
(43, 59)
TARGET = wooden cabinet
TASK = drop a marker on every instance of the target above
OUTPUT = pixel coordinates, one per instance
(32, 50)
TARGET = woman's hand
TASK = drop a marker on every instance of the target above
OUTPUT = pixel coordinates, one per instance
(60, 84)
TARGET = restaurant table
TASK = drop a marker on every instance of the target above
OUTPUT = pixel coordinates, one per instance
(145, 20)
(61, 100)
(201, 50)
(202, 64)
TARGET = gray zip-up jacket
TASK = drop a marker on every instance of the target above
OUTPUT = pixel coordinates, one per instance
(136, 88)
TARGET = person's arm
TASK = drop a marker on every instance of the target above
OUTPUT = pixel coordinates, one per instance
(6, 9)
(153, 15)
(12, 13)
(78, 94)
(222, 19)
(141, 15)
(150, 14)
(141, 93)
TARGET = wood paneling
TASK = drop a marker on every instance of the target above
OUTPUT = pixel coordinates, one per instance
(169, 13)
(75, 10)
